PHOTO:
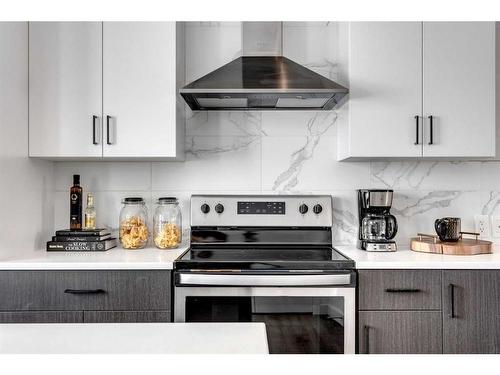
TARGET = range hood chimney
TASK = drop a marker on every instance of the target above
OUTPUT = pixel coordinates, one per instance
(263, 79)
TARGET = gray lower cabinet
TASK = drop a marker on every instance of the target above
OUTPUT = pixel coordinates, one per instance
(400, 332)
(126, 316)
(41, 316)
(429, 311)
(85, 296)
(471, 311)
(399, 312)
(399, 289)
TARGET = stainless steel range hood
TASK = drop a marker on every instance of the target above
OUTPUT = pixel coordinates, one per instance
(263, 79)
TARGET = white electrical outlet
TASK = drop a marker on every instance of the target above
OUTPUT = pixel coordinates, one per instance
(483, 227)
(495, 226)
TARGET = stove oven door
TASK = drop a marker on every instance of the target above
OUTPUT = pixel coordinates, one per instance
(299, 319)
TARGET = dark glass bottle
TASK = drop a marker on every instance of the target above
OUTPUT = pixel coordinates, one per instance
(75, 196)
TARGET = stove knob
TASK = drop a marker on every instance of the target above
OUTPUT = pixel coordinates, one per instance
(317, 209)
(303, 208)
(205, 208)
(219, 208)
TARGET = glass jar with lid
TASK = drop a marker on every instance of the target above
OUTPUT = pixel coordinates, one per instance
(134, 232)
(167, 223)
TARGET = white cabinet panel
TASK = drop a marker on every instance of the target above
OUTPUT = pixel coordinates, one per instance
(65, 80)
(140, 91)
(385, 75)
(459, 88)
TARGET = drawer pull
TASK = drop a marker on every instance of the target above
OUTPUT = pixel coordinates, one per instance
(402, 290)
(84, 291)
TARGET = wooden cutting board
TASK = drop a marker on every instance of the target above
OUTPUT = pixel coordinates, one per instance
(427, 243)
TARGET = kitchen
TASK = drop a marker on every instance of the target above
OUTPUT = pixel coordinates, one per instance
(252, 177)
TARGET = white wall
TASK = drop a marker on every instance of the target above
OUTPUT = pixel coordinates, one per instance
(283, 152)
(26, 186)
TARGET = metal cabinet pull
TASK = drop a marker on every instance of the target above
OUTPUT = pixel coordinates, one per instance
(366, 330)
(431, 128)
(95, 134)
(84, 291)
(451, 290)
(402, 290)
(110, 137)
(417, 138)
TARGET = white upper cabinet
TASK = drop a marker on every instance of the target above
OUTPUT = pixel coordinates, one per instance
(140, 89)
(397, 71)
(385, 88)
(65, 89)
(459, 89)
(106, 90)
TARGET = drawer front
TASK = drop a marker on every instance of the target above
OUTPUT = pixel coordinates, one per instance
(400, 332)
(126, 316)
(399, 289)
(41, 317)
(85, 290)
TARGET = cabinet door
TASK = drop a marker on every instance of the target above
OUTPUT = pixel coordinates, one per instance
(471, 314)
(400, 332)
(65, 89)
(41, 317)
(126, 316)
(139, 89)
(459, 89)
(385, 69)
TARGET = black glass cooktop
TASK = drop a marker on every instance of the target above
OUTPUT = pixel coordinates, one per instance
(259, 258)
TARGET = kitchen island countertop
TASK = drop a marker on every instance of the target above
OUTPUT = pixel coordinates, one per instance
(404, 258)
(142, 338)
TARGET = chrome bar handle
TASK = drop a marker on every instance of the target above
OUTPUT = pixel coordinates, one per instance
(96, 130)
(263, 280)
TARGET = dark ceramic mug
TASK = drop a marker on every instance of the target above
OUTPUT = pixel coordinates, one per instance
(448, 228)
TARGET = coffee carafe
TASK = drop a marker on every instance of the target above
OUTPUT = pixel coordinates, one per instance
(377, 227)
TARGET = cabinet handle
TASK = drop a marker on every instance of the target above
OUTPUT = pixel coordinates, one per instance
(431, 128)
(95, 134)
(84, 291)
(451, 289)
(110, 137)
(366, 330)
(402, 290)
(417, 138)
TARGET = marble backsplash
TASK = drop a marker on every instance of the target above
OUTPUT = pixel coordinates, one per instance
(282, 153)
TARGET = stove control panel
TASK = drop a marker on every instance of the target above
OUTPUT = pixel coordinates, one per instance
(261, 210)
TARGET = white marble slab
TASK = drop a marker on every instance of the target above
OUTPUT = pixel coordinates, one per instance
(146, 259)
(138, 338)
(407, 259)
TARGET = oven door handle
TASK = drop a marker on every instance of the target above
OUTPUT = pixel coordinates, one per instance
(263, 280)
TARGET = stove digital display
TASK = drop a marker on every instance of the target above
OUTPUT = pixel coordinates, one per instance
(261, 208)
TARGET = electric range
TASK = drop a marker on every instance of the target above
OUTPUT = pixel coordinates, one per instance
(268, 258)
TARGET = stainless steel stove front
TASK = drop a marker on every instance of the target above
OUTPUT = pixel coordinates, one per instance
(308, 314)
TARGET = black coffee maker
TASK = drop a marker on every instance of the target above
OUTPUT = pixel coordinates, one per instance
(377, 227)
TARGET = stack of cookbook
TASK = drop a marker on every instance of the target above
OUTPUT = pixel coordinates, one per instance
(82, 240)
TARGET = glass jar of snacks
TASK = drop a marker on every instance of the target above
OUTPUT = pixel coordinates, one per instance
(167, 223)
(133, 223)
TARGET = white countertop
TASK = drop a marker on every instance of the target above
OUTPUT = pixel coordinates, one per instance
(143, 338)
(117, 258)
(152, 258)
(407, 259)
